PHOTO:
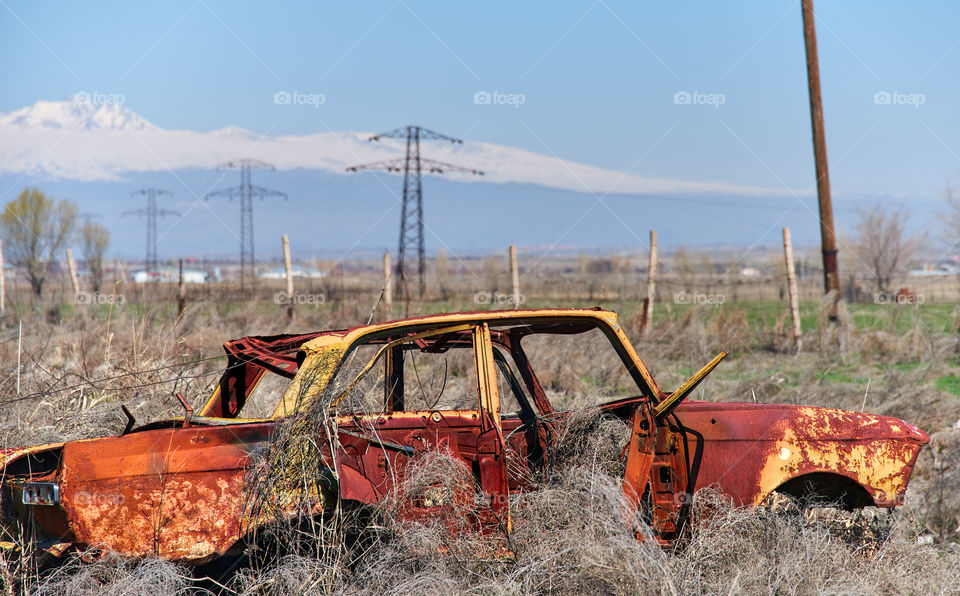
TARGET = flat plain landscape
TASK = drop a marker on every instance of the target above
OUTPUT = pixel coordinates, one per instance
(80, 360)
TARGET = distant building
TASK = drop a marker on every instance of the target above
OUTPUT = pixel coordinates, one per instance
(948, 267)
(190, 276)
(281, 273)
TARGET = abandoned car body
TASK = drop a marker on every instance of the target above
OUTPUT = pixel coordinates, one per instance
(488, 388)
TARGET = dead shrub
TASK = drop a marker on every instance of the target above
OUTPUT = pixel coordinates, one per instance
(933, 495)
(687, 337)
(115, 576)
(590, 438)
(729, 330)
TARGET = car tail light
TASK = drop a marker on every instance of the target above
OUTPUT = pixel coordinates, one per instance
(41, 493)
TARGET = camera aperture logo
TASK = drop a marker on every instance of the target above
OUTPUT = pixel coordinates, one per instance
(296, 98)
(696, 98)
(486, 98)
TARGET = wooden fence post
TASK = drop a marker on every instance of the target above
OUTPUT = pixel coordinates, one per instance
(646, 321)
(792, 287)
(515, 276)
(181, 294)
(387, 283)
(288, 268)
(72, 266)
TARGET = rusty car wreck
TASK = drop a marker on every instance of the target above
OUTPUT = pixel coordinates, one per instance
(478, 386)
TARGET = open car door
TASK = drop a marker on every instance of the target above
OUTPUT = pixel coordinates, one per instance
(657, 474)
(491, 446)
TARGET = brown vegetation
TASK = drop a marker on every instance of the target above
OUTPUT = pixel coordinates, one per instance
(570, 534)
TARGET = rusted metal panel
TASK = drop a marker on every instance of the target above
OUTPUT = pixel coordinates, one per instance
(175, 493)
(749, 450)
(248, 359)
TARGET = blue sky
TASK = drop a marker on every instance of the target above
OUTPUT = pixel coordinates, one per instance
(598, 79)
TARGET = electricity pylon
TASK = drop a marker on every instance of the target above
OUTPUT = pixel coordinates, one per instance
(152, 213)
(245, 192)
(411, 215)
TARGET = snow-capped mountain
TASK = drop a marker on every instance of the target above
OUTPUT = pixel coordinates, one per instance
(97, 137)
(80, 113)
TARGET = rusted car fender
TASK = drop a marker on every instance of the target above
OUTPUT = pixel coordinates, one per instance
(751, 450)
(177, 493)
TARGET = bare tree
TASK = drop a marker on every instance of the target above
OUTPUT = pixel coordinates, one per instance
(683, 266)
(951, 217)
(94, 239)
(35, 228)
(882, 243)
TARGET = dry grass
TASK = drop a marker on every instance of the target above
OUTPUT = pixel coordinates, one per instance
(570, 537)
(570, 534)
(115, 576)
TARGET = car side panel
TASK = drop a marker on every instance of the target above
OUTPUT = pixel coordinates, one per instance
(174, 493)
(751, 449)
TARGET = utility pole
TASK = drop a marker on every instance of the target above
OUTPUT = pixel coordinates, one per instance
(245, 192)
(828, 238)
(411, 215)
(152, 213)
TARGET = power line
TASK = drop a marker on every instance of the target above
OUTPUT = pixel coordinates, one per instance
(411, 215)
(246, 191)
(152, 213)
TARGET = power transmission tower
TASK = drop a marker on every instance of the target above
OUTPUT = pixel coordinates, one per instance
(411, 215)
(246, 191)
(152, 214)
